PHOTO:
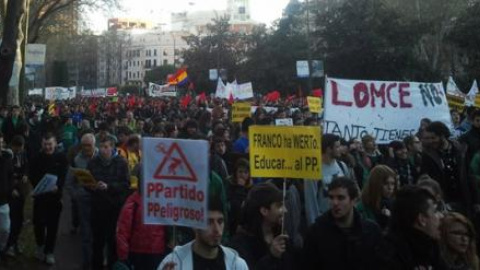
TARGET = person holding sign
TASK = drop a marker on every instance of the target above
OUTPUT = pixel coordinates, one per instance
(79, 183)
(111, 173)
(260, 240)
(47, 205)
(206, 252)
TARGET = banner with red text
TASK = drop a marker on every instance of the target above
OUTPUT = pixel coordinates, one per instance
(386, 110)
(175, 182)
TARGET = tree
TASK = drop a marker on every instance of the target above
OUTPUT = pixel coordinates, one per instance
(466, 35)
(221, 49)
(42, 13)
(159, 74)
(13, 13)
(366, 39)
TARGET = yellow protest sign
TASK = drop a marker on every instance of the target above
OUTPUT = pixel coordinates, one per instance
(314, 104)
(291, 152)
(240, 111)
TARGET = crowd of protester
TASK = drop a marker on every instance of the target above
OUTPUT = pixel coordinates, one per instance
(411, 204)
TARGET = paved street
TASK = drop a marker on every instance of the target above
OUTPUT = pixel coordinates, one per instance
(67, 252)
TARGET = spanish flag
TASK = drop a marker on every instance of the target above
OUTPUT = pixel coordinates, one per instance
(179, 78)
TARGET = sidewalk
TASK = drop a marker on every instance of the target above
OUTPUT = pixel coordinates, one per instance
(67, 252)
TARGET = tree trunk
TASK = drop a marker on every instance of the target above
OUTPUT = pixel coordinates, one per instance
(8, 49)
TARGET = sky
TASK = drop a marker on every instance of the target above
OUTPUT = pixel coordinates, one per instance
(158, 11)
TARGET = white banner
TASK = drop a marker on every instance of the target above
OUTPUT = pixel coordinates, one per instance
(472, 94)
(221, 90)
(243, 91)
(99, 92)
(35, 91)
(157, 90)
(175, 182)
(60, 93)
(386, 110)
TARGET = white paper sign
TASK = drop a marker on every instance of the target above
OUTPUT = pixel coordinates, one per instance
(302, 69)
(157, 90)
(243, 91)
(46, 184)
(35, 55)
(60, 93)
(287, 122)
(175, 183)
(386, 110)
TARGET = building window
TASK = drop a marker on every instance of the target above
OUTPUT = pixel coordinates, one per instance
(154, 52)
(241, 10)
(154, 62)
(165, 62)
(138, 74)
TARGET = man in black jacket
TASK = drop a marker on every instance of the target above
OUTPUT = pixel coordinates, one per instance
(444, 161)
(414, 231)
(341, 238)
(111, 173)
(47, 206)
(6, 188)
(472, 138)
(260, 241)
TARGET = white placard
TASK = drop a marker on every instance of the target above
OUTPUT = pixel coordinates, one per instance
(302, 69)
(60, 93)
(243, 91)
(157, 90)
(175, 182)
(35, 55)
(386, 110)
(286, 122)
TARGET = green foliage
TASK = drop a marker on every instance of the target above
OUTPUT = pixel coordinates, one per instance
(159, 74)
(366, 41)
(466, 35)
(221, 49)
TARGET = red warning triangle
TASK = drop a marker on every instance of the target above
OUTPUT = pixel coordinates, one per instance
(174, 162)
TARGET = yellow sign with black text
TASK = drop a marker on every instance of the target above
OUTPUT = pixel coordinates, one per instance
(240, 111)
(314, 104)
(285, 152)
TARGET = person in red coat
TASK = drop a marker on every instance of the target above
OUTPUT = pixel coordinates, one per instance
(139, 245)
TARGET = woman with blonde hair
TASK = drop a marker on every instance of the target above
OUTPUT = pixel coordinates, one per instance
(377, 195)
(457, 244)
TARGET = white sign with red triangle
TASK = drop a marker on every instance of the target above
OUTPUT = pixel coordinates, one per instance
(175, 182)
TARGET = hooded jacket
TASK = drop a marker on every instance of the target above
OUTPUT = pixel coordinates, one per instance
(183, 258)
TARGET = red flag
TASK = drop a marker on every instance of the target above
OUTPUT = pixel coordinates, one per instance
(273, 96)
(201, 98)
(317, 92)
(131, 101)
(230, 99)
(184, 101)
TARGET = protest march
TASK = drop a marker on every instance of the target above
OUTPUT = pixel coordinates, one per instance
(357, 175)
